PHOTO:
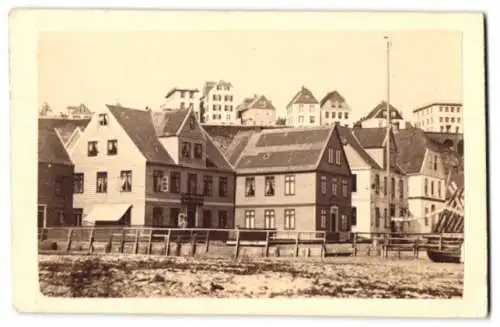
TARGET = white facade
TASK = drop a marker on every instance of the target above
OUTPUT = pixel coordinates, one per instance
(439, 117)
(183, 99)
(303, 110)
(397, 124)
(334, 109)
(258, 117)
(218, 104)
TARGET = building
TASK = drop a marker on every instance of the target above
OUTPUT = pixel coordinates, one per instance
(217, 104)
(55, 173)
(365, 150)
(422, 159)
(439, 117)
(140, 168)
(80, 111)
(377, 117)
(334, 109)
(303, 109)
(182, 99)
(257, 111)
(292, 179)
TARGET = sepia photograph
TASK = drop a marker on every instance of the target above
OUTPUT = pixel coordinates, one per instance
(230, 162)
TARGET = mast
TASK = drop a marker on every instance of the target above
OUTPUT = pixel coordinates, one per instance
(388, 127)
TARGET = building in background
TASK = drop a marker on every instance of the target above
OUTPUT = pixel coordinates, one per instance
(334, 109)
(365, 150)
(80, 111)
(217, 104)
(257, 111)
(444, 117)
(178, 98)
(377, 117)
(303, 110)
(292, 179)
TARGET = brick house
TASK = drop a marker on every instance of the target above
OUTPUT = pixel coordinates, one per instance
(134, 167)
(292, 179)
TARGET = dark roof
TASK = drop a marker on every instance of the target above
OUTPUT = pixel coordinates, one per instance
(258, 102)
(453, 104)
(215, 158)
(347, 135)
(381, 107)
(373, 137)
(244, 105)
(293, 137)
(304, 96)
(51, 148)
(237, 146)
(79, 109)
(138, 124)
(64, 127)
(211, 84)
(334, 96)
(290, 159)
(168, 123)
(175, 89)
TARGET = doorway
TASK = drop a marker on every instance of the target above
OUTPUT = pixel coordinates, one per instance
(42, 216)
(333, 224)
(191, 215)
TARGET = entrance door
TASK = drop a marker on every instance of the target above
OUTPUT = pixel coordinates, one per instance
(41, 217)
(77, 216)
(334, 213)
(191, 215)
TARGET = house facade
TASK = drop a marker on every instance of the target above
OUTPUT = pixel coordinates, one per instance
(138, 168)
(178, 98)
(444, 117)
(377, 117)
(257, 111)
(292, 180)
(422, 159)
(376, 197)
(334, 109)
(80, 111)
(217, 104)
(303, 110)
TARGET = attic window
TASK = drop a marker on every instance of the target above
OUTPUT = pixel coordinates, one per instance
(103, 119)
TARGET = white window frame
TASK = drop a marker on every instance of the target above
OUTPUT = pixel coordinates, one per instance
(269, 219)
(289, 216)
(249, 219)
(338, 157)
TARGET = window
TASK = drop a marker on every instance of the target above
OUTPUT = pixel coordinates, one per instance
(112, 147)
(334, 186)
(223, 186)
(301, 108)
(58, 185)
(439, 189)
(435, 162)
(192, 186)
(327, 114)
(346, 115)
(207, 219)
(174, 216)
(452, 109)
(330, 155)
(208, 185)
(183, 105)
(441, 128)
(290, 185)
(126, 181)
(186, 150)
(92, 149)
(103, 119)
(269, 186)
(301, 119)
(249, 186)
(393, 187)
(269, 219)
(447, 119)
(426, 187)
(323, 214)
(160, 182)
(78, 183)
(312, 119)
(445, 109)
(354, 221)
(289, 219)
(458, 120)
(440, 119)
(249, 219)
(102, 182)
(440, 109)
(157, 217)
(323, 184)
(228, 117)
(198, 150)
(426, 219)
(377, 184)
(354, 183)
(175, 181)
(457, 129)
(333, 114)
(401, 189)
(377, 217)
(432, 188)
(452, 119)
(344, 224)
(338, 157)
(223, 221)
(386, 221)
(214, 107)
(344, 187)
(214, 97)
(385, 185)
(191, 94)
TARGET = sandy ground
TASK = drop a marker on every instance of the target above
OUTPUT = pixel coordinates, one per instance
(159, 276)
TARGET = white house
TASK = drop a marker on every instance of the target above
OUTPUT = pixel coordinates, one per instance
(218, 104)
(334, 109)
(303, 109)
(258, 111)
(178, 98)
(443, 117)
(377, 117)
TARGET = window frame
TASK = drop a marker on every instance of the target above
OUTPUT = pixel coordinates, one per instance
(111, 143)
(125, 174)
(289, 216)
(76, 178)
(269, 219)
(289, 181)
(103, 175)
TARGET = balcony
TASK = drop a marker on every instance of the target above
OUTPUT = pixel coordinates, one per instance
(193, 198)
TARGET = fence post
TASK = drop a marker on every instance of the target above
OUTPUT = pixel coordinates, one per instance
(91, 241)
(68, 244)
(193, 244)
(150, 242)
(355, 243)
(415, 249)
(323, 246)
(167, 243)
(109, 245)
(385, 247)
(207, 241)
(43, 234)
(122, 242)
(266, 249)
(297, 239)
(136, 242)
(237, 245)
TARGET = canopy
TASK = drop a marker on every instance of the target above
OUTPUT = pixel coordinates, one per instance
(106, 212)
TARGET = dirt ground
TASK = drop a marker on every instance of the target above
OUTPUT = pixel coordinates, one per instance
(160, 276)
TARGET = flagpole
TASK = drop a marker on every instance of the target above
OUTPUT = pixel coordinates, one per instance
(388, 127)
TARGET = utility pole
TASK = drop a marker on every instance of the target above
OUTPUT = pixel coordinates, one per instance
(388, 123)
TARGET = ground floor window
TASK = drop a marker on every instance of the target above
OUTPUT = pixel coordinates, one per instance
(249, 218)
(42, 222)
(289, 219)
(223, 220)
(377, 217)
(354, 221)
(207, 219)
(269, 219)
(174, 216)
(344, 223)
(77, 216)
(157, 217)
(323, 216)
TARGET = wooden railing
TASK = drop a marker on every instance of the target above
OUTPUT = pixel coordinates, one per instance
(172, 240)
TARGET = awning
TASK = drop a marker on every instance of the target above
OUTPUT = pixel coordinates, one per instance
(106, 212)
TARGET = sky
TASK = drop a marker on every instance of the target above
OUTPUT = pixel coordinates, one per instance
(137, 69)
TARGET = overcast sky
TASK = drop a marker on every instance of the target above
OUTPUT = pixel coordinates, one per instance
(138, 68)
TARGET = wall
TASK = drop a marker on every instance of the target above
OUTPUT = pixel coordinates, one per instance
(433, 118)
(209, 102)
(334, 107)
(306, 111)
(361, 199)
(304, 216)
(381, 122)
(259, 117)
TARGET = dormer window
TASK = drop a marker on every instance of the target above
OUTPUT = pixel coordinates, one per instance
(103, 119)
(92, 149)
(186, 150)
(198, 151)
(112, 147)
(330, 156)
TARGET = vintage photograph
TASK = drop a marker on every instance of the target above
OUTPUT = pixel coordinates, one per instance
(252, 163)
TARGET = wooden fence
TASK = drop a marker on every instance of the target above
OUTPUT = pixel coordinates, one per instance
(172, 241)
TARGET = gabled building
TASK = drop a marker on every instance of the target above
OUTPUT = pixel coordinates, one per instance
(292, 179)
(422, 159)
(178, 98)
(377, 117)
(80, 111)
(134, 167)
(373, 205)
(334, 109)
(217, 104)
(303, 109)
(444, 117)
(257, 111)
(55, 173)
